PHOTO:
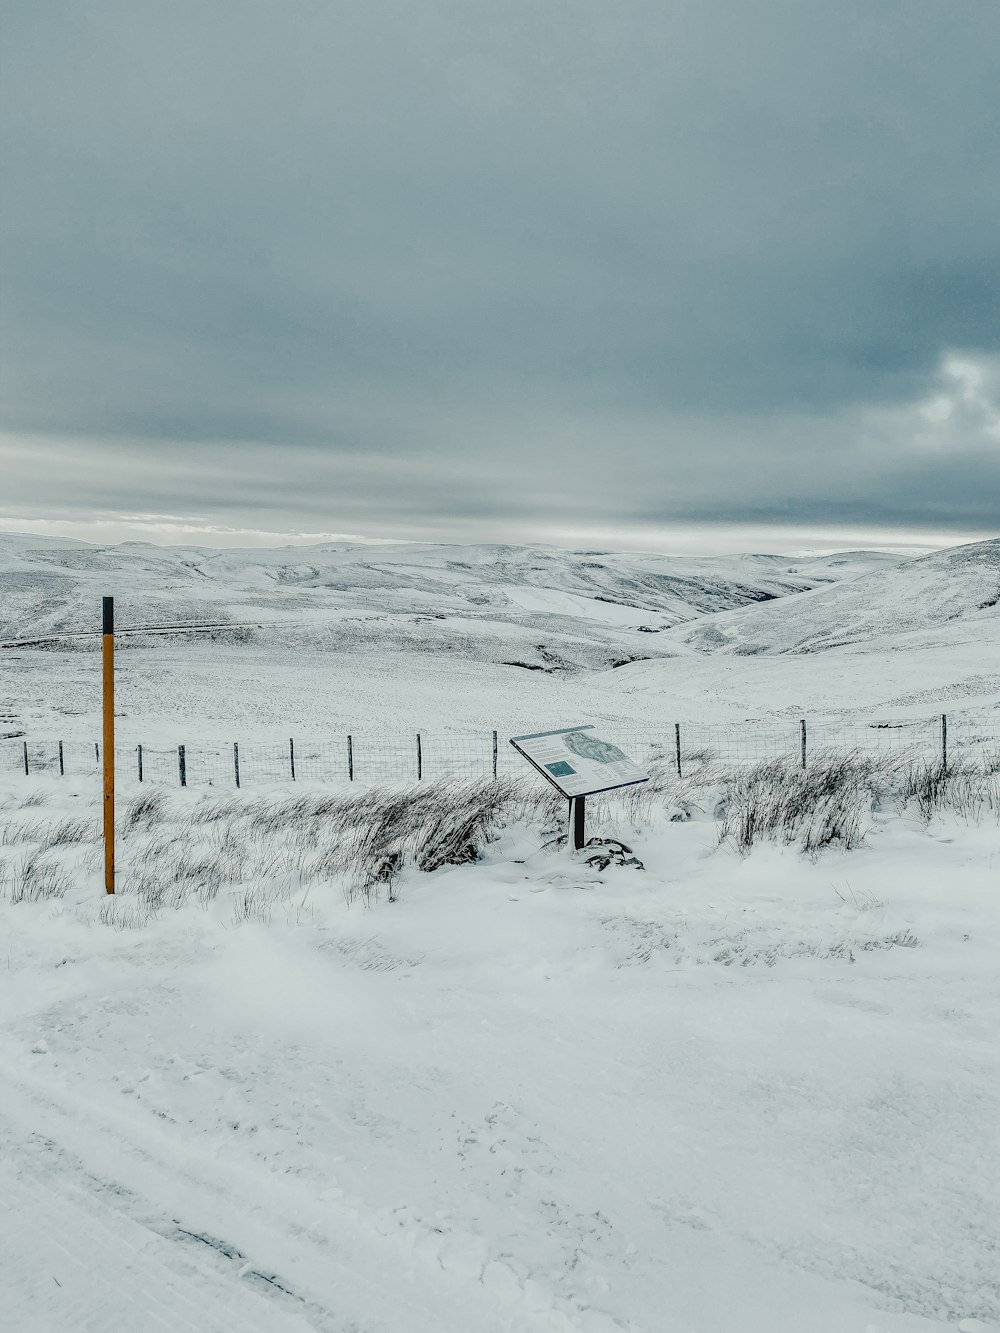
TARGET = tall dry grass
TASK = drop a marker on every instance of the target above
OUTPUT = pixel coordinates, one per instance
(263, 849)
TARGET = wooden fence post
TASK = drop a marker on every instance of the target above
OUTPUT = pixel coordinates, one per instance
(236, 761)
(25, 745)
(944, 743)
(182, 765)
(62, 766)
(350, 759)
(803, 725)
(677, 747)
(494, 754)
(291, 756)
(138, 756)
(420, 759)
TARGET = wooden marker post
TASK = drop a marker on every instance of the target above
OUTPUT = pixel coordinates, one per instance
(108, 651)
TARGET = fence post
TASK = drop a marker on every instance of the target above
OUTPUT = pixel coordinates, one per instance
(138, 755)
(677, 747)
(97, 752)
(291, 756)
(944, 743)
(25, 744)
(350, 759)
(803, 725)
(420, 759)
(236, 761)
(182, 765)
(62, 767)
(494, 754)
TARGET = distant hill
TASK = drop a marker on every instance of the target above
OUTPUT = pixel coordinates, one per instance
(537, 606)
(958, 586)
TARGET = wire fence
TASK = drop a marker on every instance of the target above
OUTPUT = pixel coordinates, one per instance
(681, 748)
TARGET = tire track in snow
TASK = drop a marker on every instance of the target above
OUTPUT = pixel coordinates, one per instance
(75, 1259)
(170, 1229)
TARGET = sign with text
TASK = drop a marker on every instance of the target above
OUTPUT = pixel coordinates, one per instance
(577, 761)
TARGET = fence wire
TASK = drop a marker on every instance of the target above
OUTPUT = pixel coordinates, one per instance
(682, 748)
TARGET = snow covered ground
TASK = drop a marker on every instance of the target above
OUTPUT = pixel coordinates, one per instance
(722, 1094)
(198, 692)
(515, 638)
(719, 1095)
(348, 638)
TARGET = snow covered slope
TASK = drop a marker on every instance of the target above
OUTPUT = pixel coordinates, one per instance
(352, 637)
(51, 586)
(946, 591)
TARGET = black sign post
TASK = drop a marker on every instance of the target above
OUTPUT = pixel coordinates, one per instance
(578, 821)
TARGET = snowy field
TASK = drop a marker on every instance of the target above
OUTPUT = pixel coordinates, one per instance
(736, 1091)
(458, 640)
(721, 1094)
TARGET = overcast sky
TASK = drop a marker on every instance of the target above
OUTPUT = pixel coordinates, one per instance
(526, 269)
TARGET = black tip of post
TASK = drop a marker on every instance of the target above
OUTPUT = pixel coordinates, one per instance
(109, 615)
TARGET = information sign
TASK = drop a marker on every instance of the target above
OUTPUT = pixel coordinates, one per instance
(577, 761)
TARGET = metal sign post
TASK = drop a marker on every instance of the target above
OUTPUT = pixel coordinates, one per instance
(578, 764)
(578, 821)
(108, 654)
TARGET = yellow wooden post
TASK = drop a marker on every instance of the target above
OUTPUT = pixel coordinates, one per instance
(108, 651)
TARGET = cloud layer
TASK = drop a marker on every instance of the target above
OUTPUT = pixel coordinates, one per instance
(459, 269)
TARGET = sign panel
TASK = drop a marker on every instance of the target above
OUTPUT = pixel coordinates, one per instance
(578, 762)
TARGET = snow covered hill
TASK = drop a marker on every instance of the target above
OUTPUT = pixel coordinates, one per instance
(50, 586)
(941, 592)
(463, 639)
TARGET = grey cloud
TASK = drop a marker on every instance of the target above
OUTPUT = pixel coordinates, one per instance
(297, 246)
